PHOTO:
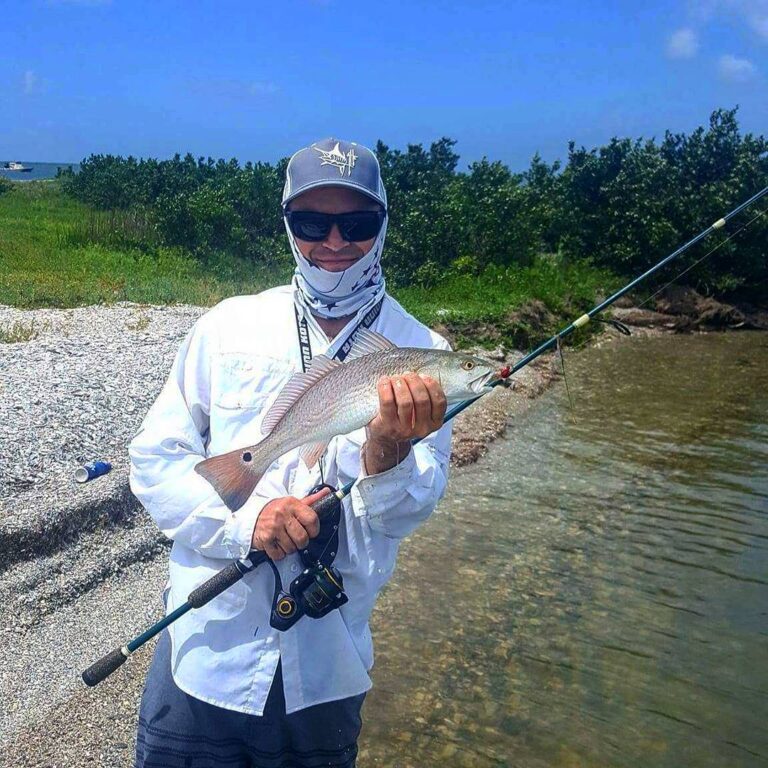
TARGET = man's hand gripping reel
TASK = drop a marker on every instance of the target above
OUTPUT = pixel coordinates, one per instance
(310, 591)
(319, 588)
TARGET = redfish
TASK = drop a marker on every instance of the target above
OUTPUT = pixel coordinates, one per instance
(334, 398)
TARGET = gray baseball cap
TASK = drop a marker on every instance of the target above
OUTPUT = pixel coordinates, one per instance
(334, 163)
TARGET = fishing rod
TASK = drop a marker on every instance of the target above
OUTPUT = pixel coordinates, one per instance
(319, 588)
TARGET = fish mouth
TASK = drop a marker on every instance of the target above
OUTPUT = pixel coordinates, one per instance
(480, 385)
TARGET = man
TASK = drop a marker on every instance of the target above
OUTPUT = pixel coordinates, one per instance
(225, 688)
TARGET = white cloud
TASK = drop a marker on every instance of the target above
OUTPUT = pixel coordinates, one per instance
(754, 13)
(735, 69)
(30, 82)
(682, 44)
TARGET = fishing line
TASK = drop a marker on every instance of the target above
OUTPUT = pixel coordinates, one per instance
(705, 256)
(559, 347)
(328, 544)
(321, 465)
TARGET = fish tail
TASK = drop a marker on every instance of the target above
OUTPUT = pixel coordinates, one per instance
(233, 475)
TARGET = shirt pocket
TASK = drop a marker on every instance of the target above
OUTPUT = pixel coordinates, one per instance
(246, 381)
(243, 387)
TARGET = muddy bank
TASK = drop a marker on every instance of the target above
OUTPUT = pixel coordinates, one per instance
(682, 309)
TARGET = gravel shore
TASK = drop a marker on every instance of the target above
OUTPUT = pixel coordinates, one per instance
(82, 566)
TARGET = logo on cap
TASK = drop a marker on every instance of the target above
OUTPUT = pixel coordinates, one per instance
(338, 159)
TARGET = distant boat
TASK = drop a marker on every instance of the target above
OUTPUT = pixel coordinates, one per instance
(15, 165)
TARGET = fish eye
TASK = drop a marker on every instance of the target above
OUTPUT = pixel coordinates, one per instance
(468, 365)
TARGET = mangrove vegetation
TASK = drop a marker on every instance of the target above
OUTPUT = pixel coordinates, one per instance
(465, 247)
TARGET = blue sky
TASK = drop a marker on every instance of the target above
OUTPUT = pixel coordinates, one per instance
(256, 80)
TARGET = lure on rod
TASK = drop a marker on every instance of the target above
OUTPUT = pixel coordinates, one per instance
(320, 587)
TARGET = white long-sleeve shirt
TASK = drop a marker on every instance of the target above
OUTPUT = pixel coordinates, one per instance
(227, 372)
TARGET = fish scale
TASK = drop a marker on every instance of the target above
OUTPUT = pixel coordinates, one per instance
(358, 380)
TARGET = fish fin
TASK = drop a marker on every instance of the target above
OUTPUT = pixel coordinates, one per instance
(366, 342)
(295, 387)
(232, 477)
(311, 452)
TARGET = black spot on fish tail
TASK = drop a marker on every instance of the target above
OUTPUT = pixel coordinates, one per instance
(232, 476)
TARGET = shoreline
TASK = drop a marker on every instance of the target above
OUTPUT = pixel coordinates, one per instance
(59, 609)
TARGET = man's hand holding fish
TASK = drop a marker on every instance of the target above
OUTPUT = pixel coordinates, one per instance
(410, 406)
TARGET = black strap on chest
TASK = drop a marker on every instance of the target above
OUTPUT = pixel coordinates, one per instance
(302, 330)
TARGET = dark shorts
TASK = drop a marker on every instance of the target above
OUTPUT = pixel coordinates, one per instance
(177, 730)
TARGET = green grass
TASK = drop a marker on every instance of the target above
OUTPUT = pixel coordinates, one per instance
(513, 305)
(57, 252)
(44, 264)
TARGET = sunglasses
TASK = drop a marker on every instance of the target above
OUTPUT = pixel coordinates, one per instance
(355, 226)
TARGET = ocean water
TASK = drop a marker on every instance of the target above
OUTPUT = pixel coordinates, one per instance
(39, 170)
(594, 591)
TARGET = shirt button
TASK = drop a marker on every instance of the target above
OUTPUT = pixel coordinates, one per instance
(294, 568)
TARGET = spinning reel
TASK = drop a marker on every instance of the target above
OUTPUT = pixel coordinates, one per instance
(319, 588)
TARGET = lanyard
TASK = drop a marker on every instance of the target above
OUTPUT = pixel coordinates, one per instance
(341, 353)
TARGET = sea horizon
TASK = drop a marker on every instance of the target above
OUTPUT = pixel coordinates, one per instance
(41, 170)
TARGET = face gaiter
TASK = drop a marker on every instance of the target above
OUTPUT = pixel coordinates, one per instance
(337, 294)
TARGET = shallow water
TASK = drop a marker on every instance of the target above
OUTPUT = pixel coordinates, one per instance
(595, 591)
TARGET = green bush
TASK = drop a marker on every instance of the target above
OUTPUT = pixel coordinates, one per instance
(205, 206)
(629, 203)
(622, 206)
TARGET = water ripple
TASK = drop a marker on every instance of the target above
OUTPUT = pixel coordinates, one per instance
(595, 591)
